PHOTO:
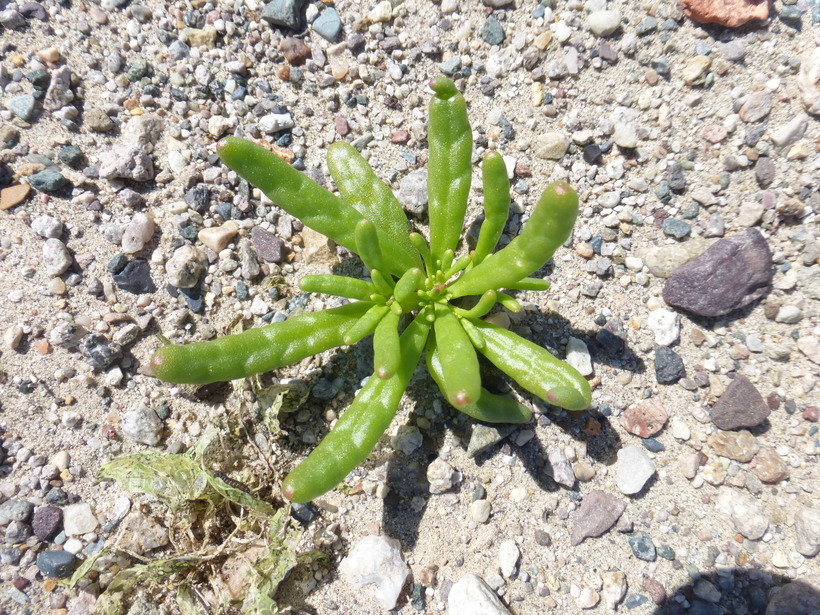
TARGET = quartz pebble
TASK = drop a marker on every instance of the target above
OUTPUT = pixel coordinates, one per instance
(634, 469)
(78, 519)
(375, 562)
(471, 595)
(745, 512)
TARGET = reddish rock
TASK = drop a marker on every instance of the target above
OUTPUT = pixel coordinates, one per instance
(400, 136)
(342, 126)
(811, 414)
(729, 13)
(645, 419)
(655, 590)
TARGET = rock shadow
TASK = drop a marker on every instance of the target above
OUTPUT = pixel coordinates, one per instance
(739, 591)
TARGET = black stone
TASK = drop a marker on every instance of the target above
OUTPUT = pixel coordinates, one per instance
(669, 366)
(135, 277)
(56, 564)
(193, 297)
(592, 153)
(303, 513)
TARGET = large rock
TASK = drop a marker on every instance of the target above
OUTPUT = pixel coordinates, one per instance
(800, 596)
(729, 13)
(731, 274)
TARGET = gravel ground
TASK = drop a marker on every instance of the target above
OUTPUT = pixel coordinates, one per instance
(691, 484)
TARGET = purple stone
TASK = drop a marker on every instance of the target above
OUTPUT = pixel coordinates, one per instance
(731, 274)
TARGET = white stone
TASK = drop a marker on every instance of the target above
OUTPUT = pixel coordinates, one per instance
(791, 131)
(604, 23)
(78, 519)
(614, 587)
(480, 511)
(275, 122)
(666, 326)
(679, 429)
(508, 554)
(382, 12)
(61, 459)
(441, 476)
(745, 512)
(578, 356)
(472, 596)
(137, 233)
(551, 145)
(634, 469)
(376, 561)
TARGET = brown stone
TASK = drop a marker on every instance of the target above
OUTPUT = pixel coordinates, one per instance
(598, 512)
(655, 590)
(644, 419)
(295, 51)
(729, 13)
(13, 195)
(738, 445)
(769, 467)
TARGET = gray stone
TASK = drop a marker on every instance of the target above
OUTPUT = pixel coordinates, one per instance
(642, 546)
(741, 406)
(286, 13)
(669, 366)
(328, 25)
(599, 511)
(472, 596)
(99, 351)
(56, 257)
(59, 92)
(15, 510)
(124, 161)
(413, 192)
(807, 531)
(732, 273)
(48, 180)
(492, 32)
(765, 171)
(142, 425)
(23, 106)
(485, 436)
